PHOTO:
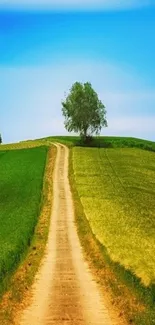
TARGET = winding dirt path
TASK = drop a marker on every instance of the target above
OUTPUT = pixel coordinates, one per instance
(64, 291)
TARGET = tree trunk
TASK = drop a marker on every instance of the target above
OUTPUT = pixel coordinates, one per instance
(85, 135)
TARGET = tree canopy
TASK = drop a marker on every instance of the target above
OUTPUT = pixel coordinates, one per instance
(83, 111)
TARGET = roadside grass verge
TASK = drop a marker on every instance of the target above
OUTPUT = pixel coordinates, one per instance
(113, 191)
(25, 204)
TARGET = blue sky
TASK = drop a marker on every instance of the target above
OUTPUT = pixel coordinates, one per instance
(47, 45)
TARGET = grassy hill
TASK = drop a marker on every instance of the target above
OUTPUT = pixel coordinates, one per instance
(115, 182)
(104, 142)
(99, 142)
(21, 145)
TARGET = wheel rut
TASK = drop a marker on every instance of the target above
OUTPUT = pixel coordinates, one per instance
(64, 291)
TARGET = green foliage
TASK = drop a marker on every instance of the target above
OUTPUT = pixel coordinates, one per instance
(21, 174)
(116, 188)
(0, 138)
(83, 111)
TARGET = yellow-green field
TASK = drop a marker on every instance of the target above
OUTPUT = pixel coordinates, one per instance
(21, 145)
(117, 191)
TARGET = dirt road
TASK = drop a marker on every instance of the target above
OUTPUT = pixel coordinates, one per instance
(64, 291)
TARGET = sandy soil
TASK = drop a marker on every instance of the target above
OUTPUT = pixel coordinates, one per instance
(64, 291)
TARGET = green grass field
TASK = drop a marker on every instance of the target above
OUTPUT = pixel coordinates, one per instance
(103, 142)
(21, 145)
(71, 141)
(21, 181)
(115, 181)
(117, 191)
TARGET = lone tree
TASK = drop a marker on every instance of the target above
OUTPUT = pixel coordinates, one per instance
(0, 138)
(83, 111)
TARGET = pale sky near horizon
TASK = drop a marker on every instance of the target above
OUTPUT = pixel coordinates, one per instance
(47, 45)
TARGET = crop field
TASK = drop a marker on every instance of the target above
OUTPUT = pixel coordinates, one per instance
(21, 180)
(117, 190)
(21, 145)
